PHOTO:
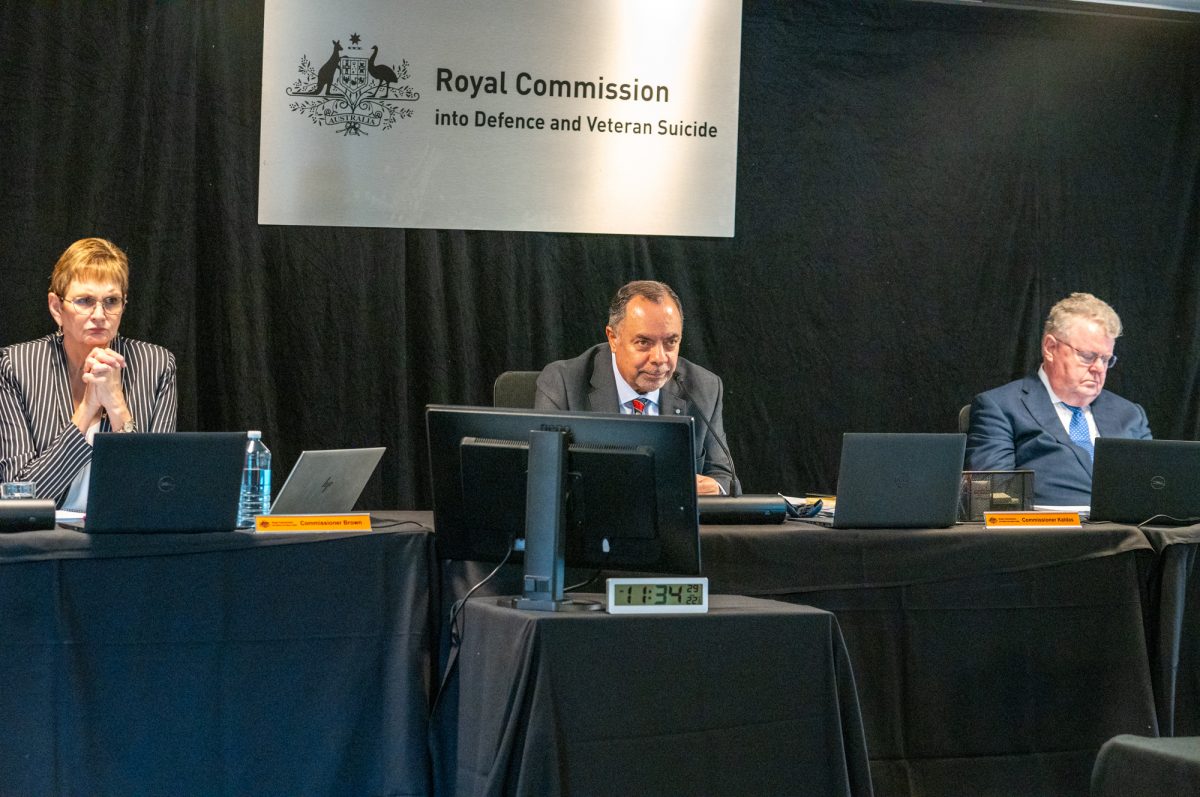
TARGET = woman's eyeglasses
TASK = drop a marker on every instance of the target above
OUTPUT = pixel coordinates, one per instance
(112, 305)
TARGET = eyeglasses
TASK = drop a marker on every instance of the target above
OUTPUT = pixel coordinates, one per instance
(1089, 357)
(112, 305)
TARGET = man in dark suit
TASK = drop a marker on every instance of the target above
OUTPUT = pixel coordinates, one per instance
(639, 370)
(1048, 422)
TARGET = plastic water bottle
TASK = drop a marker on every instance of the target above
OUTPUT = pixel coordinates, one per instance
(255, 498)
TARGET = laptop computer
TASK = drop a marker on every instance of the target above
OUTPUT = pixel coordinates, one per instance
(164, 483)
(326, 482)
(1134, 481)
(898, 481)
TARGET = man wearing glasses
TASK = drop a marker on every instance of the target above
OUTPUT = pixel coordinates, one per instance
(56, 392)
(1048, 422)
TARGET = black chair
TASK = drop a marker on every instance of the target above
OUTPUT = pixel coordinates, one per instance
(964, 419)
(1128, 764)
(515, 389)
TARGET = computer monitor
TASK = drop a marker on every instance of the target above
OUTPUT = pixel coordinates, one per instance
(581, 489)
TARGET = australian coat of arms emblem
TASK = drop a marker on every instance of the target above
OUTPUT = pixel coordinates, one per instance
(353, 94)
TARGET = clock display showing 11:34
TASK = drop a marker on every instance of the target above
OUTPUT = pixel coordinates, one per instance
(657, 595)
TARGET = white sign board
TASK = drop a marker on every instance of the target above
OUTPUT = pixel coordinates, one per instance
(608, 116)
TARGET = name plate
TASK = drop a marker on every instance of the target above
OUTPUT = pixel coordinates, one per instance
(1031, 520)
(350, 521)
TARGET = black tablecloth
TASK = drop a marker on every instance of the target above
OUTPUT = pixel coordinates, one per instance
(230, 663)
(755, 697)
(797, 557)
(1175, 637)
(988, 662)
(1131, 766)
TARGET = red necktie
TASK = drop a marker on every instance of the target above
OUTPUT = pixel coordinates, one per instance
(639, 406)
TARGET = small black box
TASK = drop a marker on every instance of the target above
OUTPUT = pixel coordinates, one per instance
(22, 514)
(740, 510)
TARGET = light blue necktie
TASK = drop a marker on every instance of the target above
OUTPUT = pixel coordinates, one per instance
(1078, 430)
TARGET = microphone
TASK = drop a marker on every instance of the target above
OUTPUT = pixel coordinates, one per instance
(735, 485)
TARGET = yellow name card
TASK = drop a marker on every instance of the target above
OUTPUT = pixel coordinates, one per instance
(1031, 520)
(351, 521)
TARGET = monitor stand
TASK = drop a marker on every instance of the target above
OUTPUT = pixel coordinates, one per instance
(545, 527)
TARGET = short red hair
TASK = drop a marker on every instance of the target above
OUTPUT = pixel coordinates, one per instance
(90, 259)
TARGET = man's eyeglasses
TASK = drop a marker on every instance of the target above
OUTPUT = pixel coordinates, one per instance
(1089, 357)
(112, 305)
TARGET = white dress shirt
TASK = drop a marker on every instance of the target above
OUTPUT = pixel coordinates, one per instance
(1064, 414)
(626, 394)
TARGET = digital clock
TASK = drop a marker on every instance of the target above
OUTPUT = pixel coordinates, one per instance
(657, 595)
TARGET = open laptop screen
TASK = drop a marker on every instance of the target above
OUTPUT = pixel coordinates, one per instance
(172, 482)
(1140, 481)
(326, 482)
(894, 481)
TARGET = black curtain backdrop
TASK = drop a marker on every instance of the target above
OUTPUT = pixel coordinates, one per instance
(917, 184)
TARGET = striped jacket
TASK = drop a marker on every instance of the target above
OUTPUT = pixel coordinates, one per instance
(38, 441)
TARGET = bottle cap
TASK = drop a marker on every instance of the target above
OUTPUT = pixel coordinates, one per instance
(254, 434)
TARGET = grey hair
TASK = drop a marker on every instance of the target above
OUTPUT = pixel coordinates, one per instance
(1082, 307)
(647, 289)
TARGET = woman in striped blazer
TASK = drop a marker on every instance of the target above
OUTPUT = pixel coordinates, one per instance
(56, 392)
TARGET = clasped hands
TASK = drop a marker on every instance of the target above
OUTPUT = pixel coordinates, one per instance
(101, 373)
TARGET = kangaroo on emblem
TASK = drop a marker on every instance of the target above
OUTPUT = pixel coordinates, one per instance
(327, 71)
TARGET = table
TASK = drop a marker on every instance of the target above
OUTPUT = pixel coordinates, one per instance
(226, 663)
(1175, 636)
(987, 662)
(756, 697)
(1135, 765)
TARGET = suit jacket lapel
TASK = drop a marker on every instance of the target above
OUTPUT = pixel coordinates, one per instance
(59, 372)
(1105, 422)
(670, 402)
(603, 395)
(1037, 402)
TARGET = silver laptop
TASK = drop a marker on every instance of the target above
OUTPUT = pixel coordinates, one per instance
(1143, 481)
(898, 481)
(326, 482)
